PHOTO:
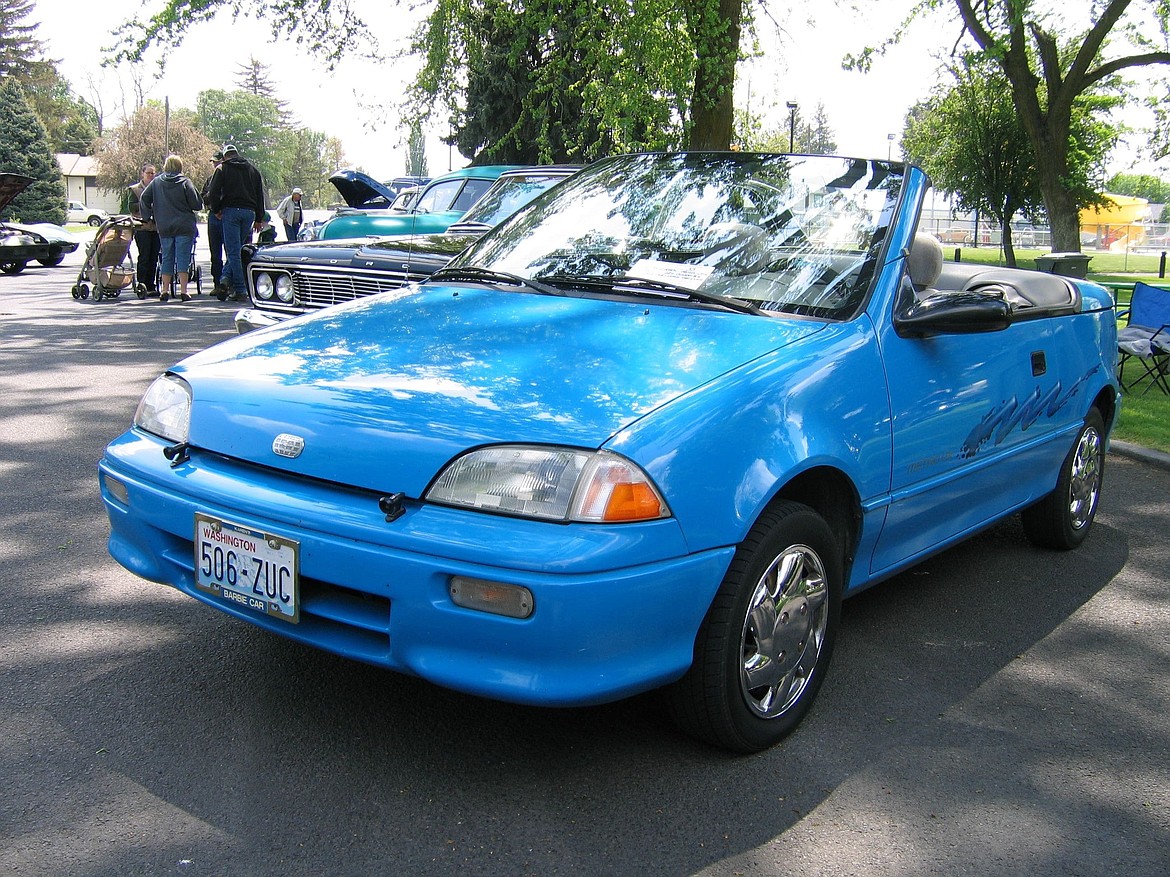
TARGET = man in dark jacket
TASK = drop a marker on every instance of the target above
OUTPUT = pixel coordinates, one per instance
(236, 196)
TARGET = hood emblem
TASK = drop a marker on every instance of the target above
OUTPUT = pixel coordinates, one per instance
(287, 445)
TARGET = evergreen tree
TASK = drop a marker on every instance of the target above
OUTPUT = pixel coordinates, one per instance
(24, 149)
(18, 43)
(255, 77)
(70, 123)
(416, 162)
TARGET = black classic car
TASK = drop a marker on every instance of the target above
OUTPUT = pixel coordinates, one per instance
(290, 279)
(20, 244)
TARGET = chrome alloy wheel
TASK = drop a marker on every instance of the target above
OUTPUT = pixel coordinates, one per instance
(1085, 482)
(783, 631)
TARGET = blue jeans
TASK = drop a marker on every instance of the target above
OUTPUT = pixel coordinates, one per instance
(237, 225)
(176, 255)
(215, 243)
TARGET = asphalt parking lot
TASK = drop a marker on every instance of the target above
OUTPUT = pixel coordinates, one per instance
(997, 710)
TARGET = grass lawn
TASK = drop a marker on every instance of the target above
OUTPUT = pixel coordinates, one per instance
(1144, 419)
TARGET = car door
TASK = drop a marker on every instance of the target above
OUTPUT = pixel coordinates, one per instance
(974, 422)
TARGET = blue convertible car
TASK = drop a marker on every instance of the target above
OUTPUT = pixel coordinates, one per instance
(647, 433)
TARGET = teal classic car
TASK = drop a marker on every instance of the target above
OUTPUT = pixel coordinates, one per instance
(443, 201)
(646, 433)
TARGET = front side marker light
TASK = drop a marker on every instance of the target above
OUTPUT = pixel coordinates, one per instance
(612, 489)
(498, 598)
(116, 489)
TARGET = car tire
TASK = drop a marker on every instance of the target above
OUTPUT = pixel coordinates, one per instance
(95, 221)
(52, 261)
(12, 267)
(1062, 519)
(765, 645)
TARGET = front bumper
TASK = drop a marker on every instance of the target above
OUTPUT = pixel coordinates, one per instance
(617, 608)
(26, 252)
(248, 319)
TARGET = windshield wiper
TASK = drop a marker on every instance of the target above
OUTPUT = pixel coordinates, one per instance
(659, 287)
(475, 274)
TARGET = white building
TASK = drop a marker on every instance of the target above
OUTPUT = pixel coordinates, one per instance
(79, 173)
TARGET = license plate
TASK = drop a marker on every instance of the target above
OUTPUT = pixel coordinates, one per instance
(255, 570)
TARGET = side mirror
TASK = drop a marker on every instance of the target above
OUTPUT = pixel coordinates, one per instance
(953, 313)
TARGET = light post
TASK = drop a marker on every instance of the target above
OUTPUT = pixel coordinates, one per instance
(791, 125)
(890, 147)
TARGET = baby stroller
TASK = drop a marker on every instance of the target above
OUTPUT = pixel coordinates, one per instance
(194, 273)
(109, 267)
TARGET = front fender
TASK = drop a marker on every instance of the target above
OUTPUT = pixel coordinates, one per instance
(721, 453)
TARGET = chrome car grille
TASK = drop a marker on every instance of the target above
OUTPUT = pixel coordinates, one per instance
(320, 288)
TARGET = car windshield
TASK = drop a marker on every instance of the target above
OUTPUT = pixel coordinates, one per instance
(785, 234)
(508, 195)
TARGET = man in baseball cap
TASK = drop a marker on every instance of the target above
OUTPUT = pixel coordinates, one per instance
(236, 196)
(291, 214)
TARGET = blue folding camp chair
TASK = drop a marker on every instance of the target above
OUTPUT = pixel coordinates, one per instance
(1145, 339)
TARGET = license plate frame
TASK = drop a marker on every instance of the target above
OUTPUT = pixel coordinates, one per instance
(247, 567)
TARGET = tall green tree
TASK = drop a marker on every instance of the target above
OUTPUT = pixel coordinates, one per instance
(1148, 186)
(24, 149)
(255, 77)
(658, 70)
(538, 80)
(809, 136)
(714, 27)
(70, 123)
(251, 122)
(308, 159)
(1052, 63)
(416, 152)
(18, 42)
(968, 137)
(593, 77)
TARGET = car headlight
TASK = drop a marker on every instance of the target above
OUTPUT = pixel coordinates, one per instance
(555, 484)
(284, 288)
(264, 286)
(165, 410)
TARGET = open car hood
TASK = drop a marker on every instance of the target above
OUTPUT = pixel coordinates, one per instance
(361, 190)
(12, 185)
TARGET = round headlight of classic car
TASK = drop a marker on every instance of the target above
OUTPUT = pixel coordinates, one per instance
(555, 484)
(284, 288)
(165, 410)
(264, 286)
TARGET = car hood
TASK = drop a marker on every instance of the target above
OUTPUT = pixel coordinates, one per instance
(386, 390)
(361, 190)
(12, 185)
(349, 224)
(392, 253)
(54, 234)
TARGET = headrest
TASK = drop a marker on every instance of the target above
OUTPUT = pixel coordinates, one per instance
(925, 262)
